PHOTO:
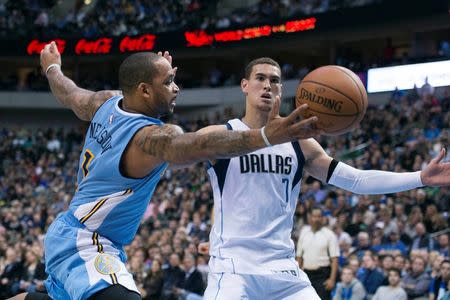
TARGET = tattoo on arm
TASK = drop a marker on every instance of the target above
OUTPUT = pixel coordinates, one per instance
(84, 103)
(170, 144)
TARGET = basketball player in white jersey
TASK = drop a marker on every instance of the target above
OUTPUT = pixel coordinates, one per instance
(255, 195)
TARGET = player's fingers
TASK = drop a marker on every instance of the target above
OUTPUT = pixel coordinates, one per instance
(275, 108)
(440, 156)
(175, 70)
(159, 53)
(307, 126)
(297, 113)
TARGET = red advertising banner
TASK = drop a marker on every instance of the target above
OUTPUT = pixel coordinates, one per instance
(147, 42)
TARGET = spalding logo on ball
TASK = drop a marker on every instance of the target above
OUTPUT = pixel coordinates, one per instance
(336, 96)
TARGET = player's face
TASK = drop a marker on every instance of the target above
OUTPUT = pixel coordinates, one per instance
(164, 88)
(263, 86)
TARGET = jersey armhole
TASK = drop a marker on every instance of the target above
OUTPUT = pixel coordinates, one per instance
(211, 164)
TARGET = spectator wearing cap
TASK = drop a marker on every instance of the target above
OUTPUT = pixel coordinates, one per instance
(317, 254)
(349, 288)
(416, 282)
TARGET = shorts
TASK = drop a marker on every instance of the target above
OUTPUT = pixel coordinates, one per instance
(80, 262)
(277, 286)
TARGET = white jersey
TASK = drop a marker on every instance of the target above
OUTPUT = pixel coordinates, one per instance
(255, 197)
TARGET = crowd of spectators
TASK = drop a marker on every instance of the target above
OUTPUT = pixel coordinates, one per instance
(117, 17)
(380, 237)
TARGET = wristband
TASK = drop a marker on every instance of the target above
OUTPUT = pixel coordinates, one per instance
(263, 134)
(51, 66)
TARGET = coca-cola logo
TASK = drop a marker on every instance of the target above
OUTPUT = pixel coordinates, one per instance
(198, 38)
(35, 46)
(100, 46)
(144, 42)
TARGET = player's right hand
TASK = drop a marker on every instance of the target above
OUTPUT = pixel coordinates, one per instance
(293, 127)
(50, 55)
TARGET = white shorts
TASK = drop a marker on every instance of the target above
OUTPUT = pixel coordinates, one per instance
(228, 286)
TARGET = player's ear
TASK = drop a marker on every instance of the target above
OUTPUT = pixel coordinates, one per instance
(244, 85)
(144, 89)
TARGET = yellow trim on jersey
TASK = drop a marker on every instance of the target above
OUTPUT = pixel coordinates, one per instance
(93, 210)
(85, 164)
(114, 278)
(98, 205)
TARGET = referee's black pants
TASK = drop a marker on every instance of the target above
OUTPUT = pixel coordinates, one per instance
(318, 278)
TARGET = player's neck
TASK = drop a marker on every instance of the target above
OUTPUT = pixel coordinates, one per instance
(255, 121)
(126, 106)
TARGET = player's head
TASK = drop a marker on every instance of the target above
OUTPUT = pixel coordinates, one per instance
(150, 78)
(262, 82)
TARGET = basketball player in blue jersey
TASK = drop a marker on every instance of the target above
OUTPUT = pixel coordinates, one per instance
(126, 150)
(255, 196)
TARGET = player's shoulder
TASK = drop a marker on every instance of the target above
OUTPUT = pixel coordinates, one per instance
(100, 97)
(212, 128)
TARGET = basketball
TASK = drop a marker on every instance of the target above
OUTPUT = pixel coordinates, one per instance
(336, 96)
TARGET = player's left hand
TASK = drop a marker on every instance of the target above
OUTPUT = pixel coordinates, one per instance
(167, 56)
(50, 55)
(437, 173)
(329, 284)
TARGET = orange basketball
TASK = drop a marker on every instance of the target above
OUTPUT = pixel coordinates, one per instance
(336, 96)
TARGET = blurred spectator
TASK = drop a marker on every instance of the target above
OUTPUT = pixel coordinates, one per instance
(173, 278)
(416, 282)
(393, 290)
(153, 283)
(193, 286)
(370, 277)
(363, 244)
(33, 275)
(439, 285)
(443, 245)
(392, 245)
(349, 288)
(11, 273)
(422, 240)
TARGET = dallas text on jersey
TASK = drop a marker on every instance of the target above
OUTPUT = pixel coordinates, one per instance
(265, 163)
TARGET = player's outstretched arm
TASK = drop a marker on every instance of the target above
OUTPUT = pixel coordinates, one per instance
(323, 167)
(170, 144)
(84, 103)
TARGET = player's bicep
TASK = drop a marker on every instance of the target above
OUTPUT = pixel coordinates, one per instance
(85, 103)
(317, 161)
(157, 141)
